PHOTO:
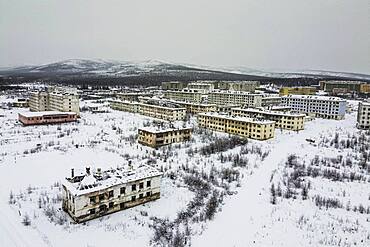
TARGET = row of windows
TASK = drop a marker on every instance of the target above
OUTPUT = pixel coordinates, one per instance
(122, 191)
(103, 208)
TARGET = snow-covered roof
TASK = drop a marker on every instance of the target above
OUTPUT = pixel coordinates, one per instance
(163, 130)
(269, 112)
(241, 119)
(297, 96)
(234, 93)
(45, 113)
(102, 180)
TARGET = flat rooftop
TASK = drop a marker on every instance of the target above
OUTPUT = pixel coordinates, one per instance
(157, 130)
(241, 119)
(45, 113)
(269, 112)
(297, 96)
(95, 181)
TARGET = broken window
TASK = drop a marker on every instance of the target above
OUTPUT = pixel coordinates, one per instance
(110, 194)
(141, 195)
(92, 199)
(148, 193)
(122, 205)
(133, 187)
(111, 204)
(92, 211)
(123, 190)
(101, 197)
(133, 198)
(148, 183)
(141, 185)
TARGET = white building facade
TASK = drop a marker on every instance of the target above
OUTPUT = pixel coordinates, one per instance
(317, 106)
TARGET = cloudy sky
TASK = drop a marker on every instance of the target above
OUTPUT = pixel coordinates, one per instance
(275, 34)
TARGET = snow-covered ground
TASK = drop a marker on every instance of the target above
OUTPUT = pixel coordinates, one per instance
(33, 160)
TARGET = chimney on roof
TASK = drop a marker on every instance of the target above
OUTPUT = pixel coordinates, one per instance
(87, 170)
(72, 173)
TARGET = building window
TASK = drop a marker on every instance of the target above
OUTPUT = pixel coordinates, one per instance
(110, 195)
(92, 199)
(141, 195)
(133, 198)
(92, 211)
(123, 190)
(102, 208)
(141, 185)
(111, 204)
(133, 187)
(122, 205)
(148, 183)
(148, 193)
(101, 197)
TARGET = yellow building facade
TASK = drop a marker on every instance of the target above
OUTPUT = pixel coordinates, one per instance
(241, 126)
(283, 120)
(297, 90)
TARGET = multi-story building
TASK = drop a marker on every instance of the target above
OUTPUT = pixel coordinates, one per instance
(124, 106)
(297, 90)
(22, 103)
(270, 100)
(242, 126)
(341, 86)
(156, 137)
(39, 101)
(235, 98)
(193, 96)
(201, 86)
(317, 106)
(174, 85)
(133, 96)
(55, 99)
(365, 88)
(283, 120)
(46, 117)
(165, 111)
(363, 115)
(245, 86)
(192, 108)
(97, 193)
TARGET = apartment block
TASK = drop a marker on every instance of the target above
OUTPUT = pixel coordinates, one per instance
(97, 193)
(317, 106)
(165, 111)
(341, 86)
(363, 115)
(124, 106)
(365, 88)
(270, 100)
(133, 96)
(283, 120)
(46, 117)
(235, 98)
(55, 99)
(241, 126)
(201, 86)
(245, 86)
(174, 85)
(297, 90)
(157, 137)
(193, 96)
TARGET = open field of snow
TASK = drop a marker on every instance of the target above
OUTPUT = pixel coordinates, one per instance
(218, 195)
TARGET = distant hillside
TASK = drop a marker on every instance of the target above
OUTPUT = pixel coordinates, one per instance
(151, 73)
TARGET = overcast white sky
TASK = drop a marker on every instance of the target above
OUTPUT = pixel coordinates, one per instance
(262, 34)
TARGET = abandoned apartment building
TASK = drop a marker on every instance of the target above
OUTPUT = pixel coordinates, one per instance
(97, 193)
(156, 137)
